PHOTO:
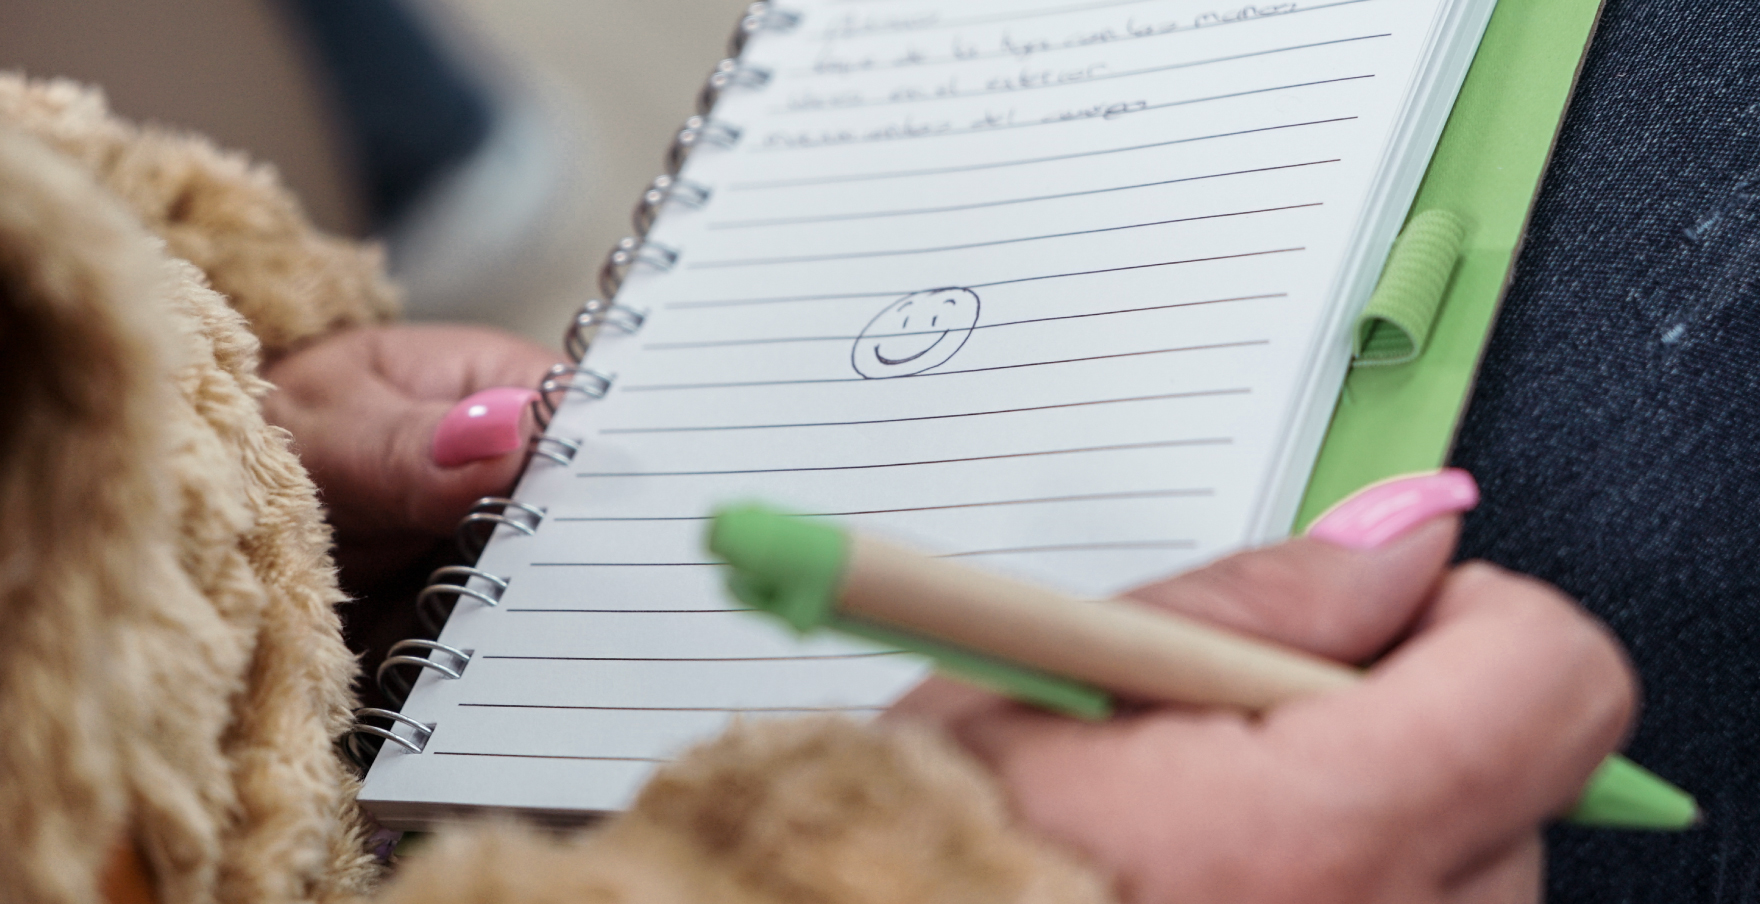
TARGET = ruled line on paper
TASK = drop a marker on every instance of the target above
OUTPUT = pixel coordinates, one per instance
(1096, 546)
(910, 26)
(777, 141)
(1160, 444)
(1084, 497)
(896, 252)
(631, 611)
(623, 564)
(804, 657)
(1055, 158)
(933, 417)
(716, 343)
(736, 302)
(935, 21)
(954, 208)
(802, 106)
(554, 756)
(824, 68)
(1062, 547)
(655, 387)
(1075, 547)
(685, 709)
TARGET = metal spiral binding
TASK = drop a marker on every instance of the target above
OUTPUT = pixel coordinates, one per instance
(698, 130)
(560, 380)
(395, 686)
(454, 581)
(555, 448)
(729, 73)
(495, 511)
(664, 189)
(362, 755)
(594, 314)
(632, 250)
(428, 604)
(758, 17)
(668, 187)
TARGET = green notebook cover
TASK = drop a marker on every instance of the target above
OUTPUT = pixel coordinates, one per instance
(1486, 170)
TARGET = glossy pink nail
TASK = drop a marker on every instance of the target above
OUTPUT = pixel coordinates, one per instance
(485, 425)
(1381, 513)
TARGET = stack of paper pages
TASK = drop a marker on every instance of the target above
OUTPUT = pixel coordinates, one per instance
(1062, 288)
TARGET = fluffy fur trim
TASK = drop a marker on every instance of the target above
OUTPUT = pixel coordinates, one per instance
(81, 380)
(814, 810)
(174, 671)
(229, 217)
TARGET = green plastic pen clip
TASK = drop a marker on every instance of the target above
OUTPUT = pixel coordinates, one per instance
(797, 568)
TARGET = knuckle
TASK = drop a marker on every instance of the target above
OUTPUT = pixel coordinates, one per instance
(1581, 651)
(1315, 840)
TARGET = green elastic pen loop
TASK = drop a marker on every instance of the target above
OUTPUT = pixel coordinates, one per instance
(793, 568)
(1396, 324)
(1624, 795)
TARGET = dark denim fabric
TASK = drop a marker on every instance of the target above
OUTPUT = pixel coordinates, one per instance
(1615, 428)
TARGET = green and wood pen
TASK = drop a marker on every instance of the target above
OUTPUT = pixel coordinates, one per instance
(1064, 653)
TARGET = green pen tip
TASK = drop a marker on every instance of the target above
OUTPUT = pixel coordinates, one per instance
(783, 564)
(1624, 795)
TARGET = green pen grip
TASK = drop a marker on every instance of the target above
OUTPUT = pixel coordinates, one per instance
(793, 568)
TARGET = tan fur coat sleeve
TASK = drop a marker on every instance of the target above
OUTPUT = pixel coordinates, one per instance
(215, 209)
(173, 676)
(173, 672)
(810, 810)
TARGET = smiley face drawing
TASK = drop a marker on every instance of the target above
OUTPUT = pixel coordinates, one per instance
(918, 332)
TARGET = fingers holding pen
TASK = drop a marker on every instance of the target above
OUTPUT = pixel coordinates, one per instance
(1348, 589)
(1427, 782)
(1339, 603)
(1484, 724)
(1345, 593)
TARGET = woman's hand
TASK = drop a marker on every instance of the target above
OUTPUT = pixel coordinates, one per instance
(1428, 782)
(363, 407)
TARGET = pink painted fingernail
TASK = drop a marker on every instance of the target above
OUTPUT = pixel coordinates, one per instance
(484, 425)
(1378, 514)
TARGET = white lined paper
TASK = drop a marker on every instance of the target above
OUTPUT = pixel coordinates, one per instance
(1147, 232)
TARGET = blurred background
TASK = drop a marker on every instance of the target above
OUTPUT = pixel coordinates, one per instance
(496, 146)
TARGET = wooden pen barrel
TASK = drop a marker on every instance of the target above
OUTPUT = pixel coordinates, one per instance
(1123, 646)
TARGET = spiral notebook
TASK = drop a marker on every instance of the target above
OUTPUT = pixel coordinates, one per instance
(1064, 289)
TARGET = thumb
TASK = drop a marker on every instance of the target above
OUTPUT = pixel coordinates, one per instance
(1348, 589)
(1337, 597)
